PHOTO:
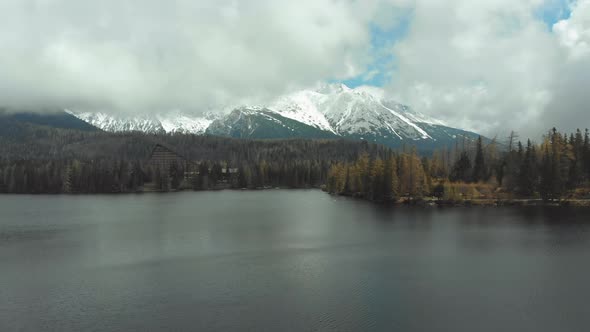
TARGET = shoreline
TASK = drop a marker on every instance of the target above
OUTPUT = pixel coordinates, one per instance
(519, 202)
(405, 201)
(478, 202)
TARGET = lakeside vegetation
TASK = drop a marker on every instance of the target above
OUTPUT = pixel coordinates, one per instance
(38, 159)
(556, 169)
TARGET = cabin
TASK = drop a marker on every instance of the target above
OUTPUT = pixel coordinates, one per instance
(163, 157)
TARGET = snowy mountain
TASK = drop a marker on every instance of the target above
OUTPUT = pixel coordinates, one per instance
(335, 110)
(360, 111)
(332, 110)
(263, 123)
(173, 122)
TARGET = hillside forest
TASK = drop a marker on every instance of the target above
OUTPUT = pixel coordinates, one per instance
(37, 159)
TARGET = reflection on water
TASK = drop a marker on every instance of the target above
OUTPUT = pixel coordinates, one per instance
(287, 260)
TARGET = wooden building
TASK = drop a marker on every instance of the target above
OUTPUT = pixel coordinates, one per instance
(163, 157)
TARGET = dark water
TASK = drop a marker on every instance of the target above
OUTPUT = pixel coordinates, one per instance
(288, 261)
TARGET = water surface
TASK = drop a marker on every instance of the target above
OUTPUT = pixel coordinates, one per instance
(288, 261)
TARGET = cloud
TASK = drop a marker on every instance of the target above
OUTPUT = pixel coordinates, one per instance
(570, 106)
(163, 54)
(574, 32)
(490, 65)
(487, 65)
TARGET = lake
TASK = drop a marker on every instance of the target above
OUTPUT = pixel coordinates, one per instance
(288, 261)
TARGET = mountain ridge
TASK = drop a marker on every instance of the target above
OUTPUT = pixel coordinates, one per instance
(332, 110)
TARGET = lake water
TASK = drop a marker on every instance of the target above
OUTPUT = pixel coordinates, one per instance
(287, 261)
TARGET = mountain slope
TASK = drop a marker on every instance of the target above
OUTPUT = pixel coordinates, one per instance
(263, 124)
(366, 113)
(56, 120)
(333, 110)
(173, 122)
(114, 123)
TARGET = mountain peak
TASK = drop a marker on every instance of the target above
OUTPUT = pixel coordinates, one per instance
(344, 87)
(332, 110)
(332, 88)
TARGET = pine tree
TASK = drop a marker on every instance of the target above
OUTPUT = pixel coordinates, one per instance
(527, 182)
(462, 169)
(377, 180)
(559, 165)
(479, 168)
(363, 165)
(546, 185)
(66, 180)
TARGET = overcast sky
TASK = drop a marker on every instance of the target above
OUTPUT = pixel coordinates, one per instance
(486, 65)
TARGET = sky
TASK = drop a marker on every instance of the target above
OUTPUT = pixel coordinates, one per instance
(488, 65)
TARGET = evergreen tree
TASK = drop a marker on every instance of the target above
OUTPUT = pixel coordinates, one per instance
(527, 178)
(559, 165)
(546, 186)
(390, 179)
(377, 181)
(479, 168)
(462, 169)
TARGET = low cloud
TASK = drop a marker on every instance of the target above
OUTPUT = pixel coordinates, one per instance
(494, 66)
(487, 65)
(144, 55)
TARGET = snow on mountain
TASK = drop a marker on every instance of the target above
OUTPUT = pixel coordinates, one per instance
(360, 111)
(303, 106)
(182, 123)
(119, 123)
(255, 122)
(173, 122)
(332, 110)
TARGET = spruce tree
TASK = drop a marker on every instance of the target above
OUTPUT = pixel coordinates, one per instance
(527, 176)
(479, 168)
(462, 168)
(546, 185)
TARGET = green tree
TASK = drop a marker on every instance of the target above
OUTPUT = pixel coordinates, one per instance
(462, 169)
(479, 168)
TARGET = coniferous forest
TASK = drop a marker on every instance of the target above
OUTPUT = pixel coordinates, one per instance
(39, 159)
(42, 159)
(557, 168)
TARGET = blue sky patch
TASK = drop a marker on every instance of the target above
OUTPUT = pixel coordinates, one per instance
(379, 72)
(554, 11)
(383, 66)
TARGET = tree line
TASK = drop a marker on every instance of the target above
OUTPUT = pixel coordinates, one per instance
(558, 167)
(124, 176)
(40, 159)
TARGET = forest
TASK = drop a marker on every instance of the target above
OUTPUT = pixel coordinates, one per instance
(37, 159)
(557, 168)
(42, 159)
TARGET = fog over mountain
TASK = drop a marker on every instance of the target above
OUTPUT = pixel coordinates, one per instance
(488, 66)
